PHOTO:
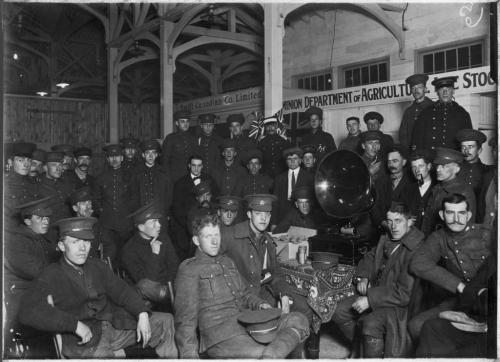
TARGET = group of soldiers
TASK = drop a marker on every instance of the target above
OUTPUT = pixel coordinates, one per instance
(184, 230)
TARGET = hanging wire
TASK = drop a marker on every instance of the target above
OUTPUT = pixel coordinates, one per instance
(333, 36)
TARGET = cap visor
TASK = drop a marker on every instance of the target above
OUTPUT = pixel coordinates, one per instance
(81, 234)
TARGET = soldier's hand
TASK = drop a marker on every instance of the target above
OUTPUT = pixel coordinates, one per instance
(265, 305)
(155, 246)
(143, 329)
(84, 332)
(374, 167)
(362, 286)
(361, 304)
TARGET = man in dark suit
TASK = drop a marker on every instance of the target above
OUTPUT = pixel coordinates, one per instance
(184, 199)
(421, 166)
(285, 183)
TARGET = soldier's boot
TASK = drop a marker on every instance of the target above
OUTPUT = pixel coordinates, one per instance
(285, 342)
(373, 347)
(312, 344)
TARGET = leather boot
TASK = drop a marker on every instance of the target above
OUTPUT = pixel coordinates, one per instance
(312, 344)
(285, 342)
(373, 347)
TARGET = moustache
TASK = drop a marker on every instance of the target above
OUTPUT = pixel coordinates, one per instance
(457, 223)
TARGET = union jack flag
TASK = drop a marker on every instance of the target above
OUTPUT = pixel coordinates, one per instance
(257, 126)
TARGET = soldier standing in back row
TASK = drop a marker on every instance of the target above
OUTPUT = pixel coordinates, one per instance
(322, 140)
(439, 123)
(241, 140)
(208, 144)
(254, 182)
(272, 147)
(229, 171)
(178, 147)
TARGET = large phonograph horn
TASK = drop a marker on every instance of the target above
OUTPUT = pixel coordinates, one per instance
(342, 185)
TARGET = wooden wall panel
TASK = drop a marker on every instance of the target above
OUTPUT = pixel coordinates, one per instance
(141, 121)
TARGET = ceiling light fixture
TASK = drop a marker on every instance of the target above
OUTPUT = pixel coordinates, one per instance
(15, 56)
(62, 85)
(42, 94)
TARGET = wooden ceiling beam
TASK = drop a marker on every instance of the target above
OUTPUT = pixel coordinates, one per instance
(144, 28)
(250, 21)
(192, 64)
(102, 18)
(242, 69)
(29, 48)
(200, 31)
(84, 67)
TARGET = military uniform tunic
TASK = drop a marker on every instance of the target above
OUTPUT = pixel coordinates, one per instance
(409, 119)
(61, 191)
(254, 184)
(350, 143)
(227, 177)
(209, 149)
(272, 148)
(18, 190)
(323, 141)
(176, 150)
(438, 125)
(472, 174)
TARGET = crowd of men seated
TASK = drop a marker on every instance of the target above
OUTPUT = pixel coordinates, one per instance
(170, 246)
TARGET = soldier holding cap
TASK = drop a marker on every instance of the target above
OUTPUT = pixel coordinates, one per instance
(373, 121)
(418, 86)
(209, 144)
(242, 141)
(149, 257)
(112, 196)
(38, 160)
(229, 171)
(130, 152)
(88, 303)
(472, 170)
(27, 253)
(447, 163)
(228, 210)
(439, 123)
(69, 156)
(150, 182)
(178, 147)
(272, 147)
(18, 188)
(54, 185)
(286, 182)
(421, 166)
(309, 158)
(451, 256)
(80, 177)
(254, 182)
(352, 141)
(323, 141)
(215, 311)
(302, 215)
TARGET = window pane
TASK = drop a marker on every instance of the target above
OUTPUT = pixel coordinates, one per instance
(348, 78)
(321, 82)
(476, 55)
(451, 60)
(463, 58)
(382, 72)
(373, 73)
(439, 62)
(328, 82)
(356, 77)
(428, 63)
(314, 83)
(307, 83)
(301, 83)
(365, 78)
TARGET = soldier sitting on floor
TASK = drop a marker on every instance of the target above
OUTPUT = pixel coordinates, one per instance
(96, 311)
(384, 290)
(211, 293)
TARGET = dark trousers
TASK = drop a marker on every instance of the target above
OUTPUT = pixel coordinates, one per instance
(416, 323)
(440, 339)
(113, 242)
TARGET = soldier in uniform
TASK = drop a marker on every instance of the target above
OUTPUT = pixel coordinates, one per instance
(38, 160)
(213, 311)
(150, 183)
(241, 140)
(208, 144)
(351, 142)
(178, 147)
(254, 182)
(309, 158)
(421, 166)
(149, 257)
(418, 86)
(96, 312)
(112, 195)
(229, 209)
(203, 195)
(472, 169)
(439, 123)
(373, 121)
(450, 256)
(302, 215)
(69, 157)
(18, 188)
(253, 251)
(27, 253)
(447, 163)
(323, 141)
(131, 158)
(54, 185)
(80, 177)
(272, 147)
(228, 173)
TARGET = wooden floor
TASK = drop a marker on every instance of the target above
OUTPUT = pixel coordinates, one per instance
(331, 344)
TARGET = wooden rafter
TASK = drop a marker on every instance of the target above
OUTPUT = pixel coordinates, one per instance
(84, 67)
(192, 64)
(29, 48)
(102, 18)
(200, 31)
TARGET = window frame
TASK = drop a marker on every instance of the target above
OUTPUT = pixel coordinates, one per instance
(375, 61)
(303, 76)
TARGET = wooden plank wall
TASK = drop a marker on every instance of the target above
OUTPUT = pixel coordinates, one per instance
(49, 121)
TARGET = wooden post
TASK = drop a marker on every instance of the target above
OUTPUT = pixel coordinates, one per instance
(167, 68)
(113, 80)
